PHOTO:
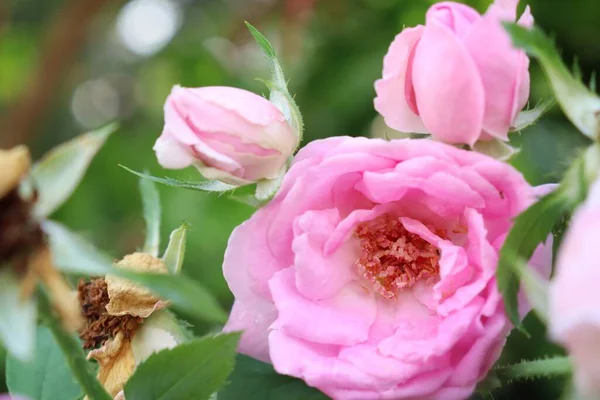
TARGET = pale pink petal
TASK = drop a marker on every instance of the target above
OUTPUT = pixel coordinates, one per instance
(391, 101)
(479, 354)
(502, 68)
(582, 343)
(344, 319)
(482, 259)
(319, 276)
(574, 297)
(319, 365)
(449, 90)
(419, 337)
(252, 316)
(249, 242)
(315, 190)
(171, 153)
(456, 16)
(390, 369)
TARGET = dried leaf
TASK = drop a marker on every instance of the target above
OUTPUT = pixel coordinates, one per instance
(127, 297)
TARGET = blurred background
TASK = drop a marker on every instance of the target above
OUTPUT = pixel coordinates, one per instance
(68, 66)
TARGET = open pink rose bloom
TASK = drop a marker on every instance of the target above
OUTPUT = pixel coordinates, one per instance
(371, 274)
(457, 77)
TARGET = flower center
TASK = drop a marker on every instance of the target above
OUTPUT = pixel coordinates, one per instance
(100, 325)
(393, 258)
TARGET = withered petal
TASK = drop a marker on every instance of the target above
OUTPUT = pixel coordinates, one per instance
(14, 164)
(116, 363)
(130, 298)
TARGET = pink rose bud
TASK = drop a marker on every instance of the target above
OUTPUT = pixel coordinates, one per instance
(229, 134)
(458, 77)
(574, 295)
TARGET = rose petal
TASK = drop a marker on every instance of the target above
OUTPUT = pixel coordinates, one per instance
(503, 70)
(450, 98)
(344, 319)
(391, 101)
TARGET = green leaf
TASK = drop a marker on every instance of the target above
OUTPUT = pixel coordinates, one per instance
(496, 149)
(255, 380)
(280, 96)
(73, 254)
(534, 286)
(529, 230)
(175, 252)
(191, 371)
(151, 203)
(59, 172)
(581, 105)
(529, 117)
(543, 368)
(201, 186)
(17, 317)
(73, 352)
(46, 376)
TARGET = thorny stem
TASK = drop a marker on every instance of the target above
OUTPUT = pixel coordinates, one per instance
(541, 368)
(72, 351)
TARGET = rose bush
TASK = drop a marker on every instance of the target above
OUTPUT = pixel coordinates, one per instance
(371, 274)
(458, 77)
(229, 134)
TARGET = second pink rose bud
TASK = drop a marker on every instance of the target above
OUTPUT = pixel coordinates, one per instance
(229, 134)
(457, 77)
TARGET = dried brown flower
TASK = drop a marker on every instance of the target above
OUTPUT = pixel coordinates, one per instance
(19, 233)
(115, 308)
(100, 325)
(22, 242)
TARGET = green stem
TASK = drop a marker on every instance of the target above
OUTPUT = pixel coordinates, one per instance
(543, 368)
(72, 351)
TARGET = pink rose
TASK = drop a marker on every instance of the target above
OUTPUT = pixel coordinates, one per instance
(370, 275)
(458, 77)
(574, 294)
(229, 134)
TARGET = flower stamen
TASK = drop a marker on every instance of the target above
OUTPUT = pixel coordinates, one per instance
(393, 258)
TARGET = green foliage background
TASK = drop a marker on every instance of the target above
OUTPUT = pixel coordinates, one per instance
(332, 56)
